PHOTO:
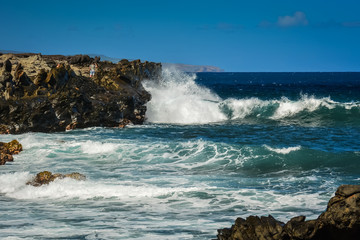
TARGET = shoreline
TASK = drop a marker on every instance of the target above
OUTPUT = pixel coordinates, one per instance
(51, 93)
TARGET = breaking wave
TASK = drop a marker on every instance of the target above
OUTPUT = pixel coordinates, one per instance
(178, 99)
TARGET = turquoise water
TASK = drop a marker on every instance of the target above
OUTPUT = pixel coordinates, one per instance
(215, 147)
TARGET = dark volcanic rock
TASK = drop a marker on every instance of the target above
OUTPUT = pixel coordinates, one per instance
(7, 65)
(58, 99)
(9, 149)
(47, 177)
(341, 220)
(80, 59)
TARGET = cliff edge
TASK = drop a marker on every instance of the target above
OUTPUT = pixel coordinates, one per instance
(49, 93)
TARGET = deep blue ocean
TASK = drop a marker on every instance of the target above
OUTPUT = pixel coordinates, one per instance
(215, 146)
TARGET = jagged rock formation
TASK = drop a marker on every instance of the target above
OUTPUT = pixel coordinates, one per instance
(47, 177)
(55, 93)
(341, 220)
(9, 149)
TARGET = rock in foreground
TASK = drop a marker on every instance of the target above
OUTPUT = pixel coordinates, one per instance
(55, 93)
(341, 220)
(9, 149)
(47, 177)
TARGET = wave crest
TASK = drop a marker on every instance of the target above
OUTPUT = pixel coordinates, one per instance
(283, 151)
(178, 99)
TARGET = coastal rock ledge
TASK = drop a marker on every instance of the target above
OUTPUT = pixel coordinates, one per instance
(51, 93)
(341, 220)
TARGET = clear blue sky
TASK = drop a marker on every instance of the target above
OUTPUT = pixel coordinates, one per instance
(252, 35)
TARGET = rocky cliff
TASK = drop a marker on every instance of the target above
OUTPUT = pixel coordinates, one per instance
(44, 93)
(341, 220)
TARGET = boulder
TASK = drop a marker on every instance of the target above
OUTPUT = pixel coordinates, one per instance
(5, 158)
(341, 220)
(8, 149)
(13, 147)
(47, 177)
(80, 59)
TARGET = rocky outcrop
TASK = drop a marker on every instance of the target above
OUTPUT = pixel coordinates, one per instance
(55, 93)
(47, 177)
(341, 220)
(9, 149)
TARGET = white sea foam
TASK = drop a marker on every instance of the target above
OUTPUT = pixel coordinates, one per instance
(242, 108)
(14, 185)
(12, 182)
(283, 150)
(289, 108)
(176, 98)
(93, 147)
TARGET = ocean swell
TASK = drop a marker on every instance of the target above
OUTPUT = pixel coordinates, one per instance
(178, 99)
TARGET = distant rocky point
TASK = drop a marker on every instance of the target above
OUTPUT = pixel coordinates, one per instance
(192, 68)
(178, 66)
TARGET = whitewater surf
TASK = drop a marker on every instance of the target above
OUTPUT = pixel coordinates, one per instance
(215, 146)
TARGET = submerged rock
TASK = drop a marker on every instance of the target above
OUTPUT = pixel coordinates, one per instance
(46, 177)
(341, 220)
(56, 93)
(9, 149)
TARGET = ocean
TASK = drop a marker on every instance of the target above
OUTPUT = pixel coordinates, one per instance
(215, 146)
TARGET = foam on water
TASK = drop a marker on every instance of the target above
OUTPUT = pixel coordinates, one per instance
(14, 185)
(183, 181)
(91, 147)
(283, 150)
(178, 99)
(305, 103)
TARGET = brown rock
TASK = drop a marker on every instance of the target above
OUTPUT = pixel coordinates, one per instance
(9, 149)
(4, 129)
(47, 177)
(57, 77)
(56, 98)
(347, 190)
(43, 178)
(14, 147)
(341, 220)
(5, 158)
(76, 176)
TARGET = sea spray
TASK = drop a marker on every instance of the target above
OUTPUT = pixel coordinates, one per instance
(177, 98)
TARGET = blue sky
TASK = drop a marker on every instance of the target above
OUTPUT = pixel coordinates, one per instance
(240, 36)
